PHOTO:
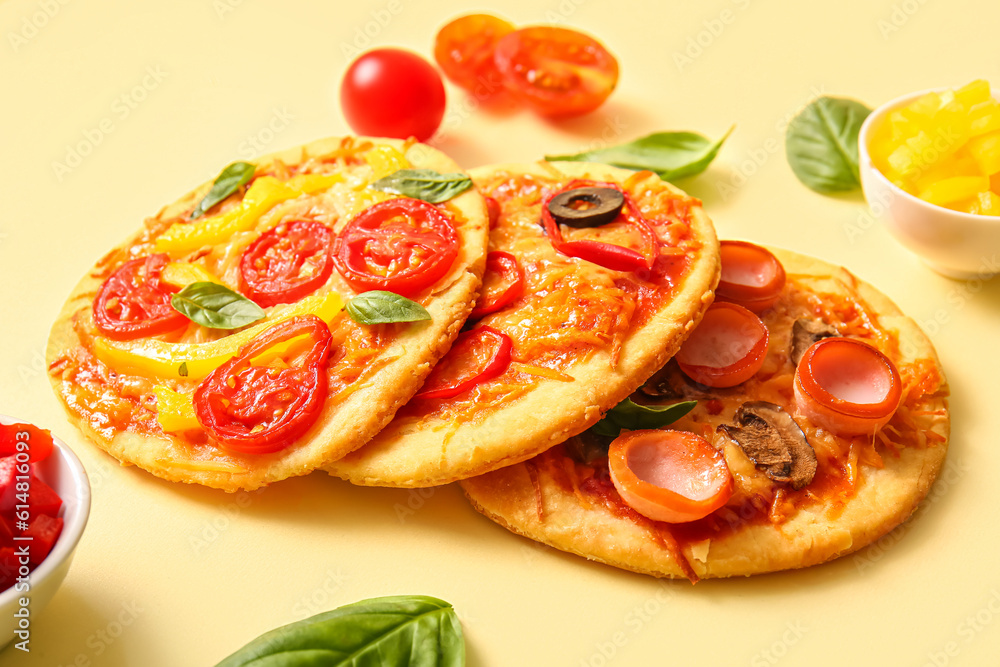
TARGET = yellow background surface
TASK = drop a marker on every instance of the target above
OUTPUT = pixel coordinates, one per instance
(167, 93)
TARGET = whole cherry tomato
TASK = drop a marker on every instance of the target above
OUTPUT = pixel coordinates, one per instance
(392, 93)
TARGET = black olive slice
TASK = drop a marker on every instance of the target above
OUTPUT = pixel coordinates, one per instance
(602, 205)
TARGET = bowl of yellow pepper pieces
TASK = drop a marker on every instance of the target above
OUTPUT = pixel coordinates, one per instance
(930, 170)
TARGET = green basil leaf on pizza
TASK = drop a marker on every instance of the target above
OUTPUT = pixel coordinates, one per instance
(216, 306)
(424, 184)
(231, 179)
(382, 307)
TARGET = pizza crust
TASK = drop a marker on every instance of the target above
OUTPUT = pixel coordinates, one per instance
(438, 452)
(398, 371)
(885, 498)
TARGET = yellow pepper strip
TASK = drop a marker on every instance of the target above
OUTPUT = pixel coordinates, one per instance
(174, 410)
(263, 194)
(182, 274)
(162, 360)
(385, 160)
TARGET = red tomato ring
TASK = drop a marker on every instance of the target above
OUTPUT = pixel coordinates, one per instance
(259, 409)
(134, 302)
(726, 349)
(608, 255)
(482, 339)
(287, 262)
(751, 275)
(833, 377)
(506, 268)
(401, 245)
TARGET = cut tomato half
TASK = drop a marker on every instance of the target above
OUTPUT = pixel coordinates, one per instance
(464, 50)
(400, 245)
(253, 409)
(751, 275)
(672, 476)
(287, 262)
(476, 356)
(135, 302)
(503, 283)
(847, 386)
(727, 348)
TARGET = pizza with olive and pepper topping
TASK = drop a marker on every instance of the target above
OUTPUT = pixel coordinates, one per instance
(593, 278)
(811, 419)
(274, 320)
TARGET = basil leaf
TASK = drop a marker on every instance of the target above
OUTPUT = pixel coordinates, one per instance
(672, 155)
(378, 307)
(397, 631)
(216, 306)
(426, 184)
(231, 179)
(821, 144)
(632, 416)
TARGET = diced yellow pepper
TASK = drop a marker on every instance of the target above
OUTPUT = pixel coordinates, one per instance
(385, 160)
(989, 203)
(984, 117)
(985, 150)
(951, 190)
(182, 274)
(262, 195)
(902, 160)
(974, 92)
(159, 359)
(961, 164)
(174, 410)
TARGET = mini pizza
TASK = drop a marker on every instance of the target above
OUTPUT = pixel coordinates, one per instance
(593, 278)
(820, 423)
(214, 346)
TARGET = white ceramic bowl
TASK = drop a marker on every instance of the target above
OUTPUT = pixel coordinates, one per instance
(65, 474)
(958, 245)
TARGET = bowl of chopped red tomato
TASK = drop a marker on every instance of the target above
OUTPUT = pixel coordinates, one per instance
(44, 505)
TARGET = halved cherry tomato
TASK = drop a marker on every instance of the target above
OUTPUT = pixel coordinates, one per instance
(476, 356)
(400, 245)
(34, 441)
(464, 49)
(847, 386)
(503, 282)
(261, 409)
(287, 262)
(672, 476)
(134, 301)
(392, 93)
(556, 71)
(751, 275)
(728, 347)
(608, 255)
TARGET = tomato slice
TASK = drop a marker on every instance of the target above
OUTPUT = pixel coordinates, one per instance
(134, 301)
(556, 71)
(287, 262)
(726, 349)
(608, 255)
(847, 386)
(400, 245)
(34, 441)
(261, 409)
(476, 356)
(464, 50)
(751, 275)
(672, 476)
(503, 282)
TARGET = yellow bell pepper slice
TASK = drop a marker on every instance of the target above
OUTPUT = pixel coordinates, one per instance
(174, 410)
(263, 194)
(182, 274)
(162, 360)
(385, 160)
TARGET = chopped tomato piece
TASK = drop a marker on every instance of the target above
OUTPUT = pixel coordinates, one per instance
(751, 276)
(44, 530)
(477, 355)
(464, 50)
(672, 476)
(727, 348)
(556, 71)
(847, 386)
(503, 283)
(6, 533)
(36, 442)
(42, 499)
(9, 566)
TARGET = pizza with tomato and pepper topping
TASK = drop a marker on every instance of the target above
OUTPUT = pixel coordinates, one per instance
(811, 418)
(593, 278)
(274, 319)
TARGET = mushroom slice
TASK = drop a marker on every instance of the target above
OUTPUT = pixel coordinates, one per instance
(770, 438)
(805, 333)
(669, 383)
